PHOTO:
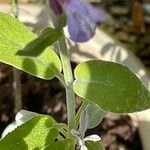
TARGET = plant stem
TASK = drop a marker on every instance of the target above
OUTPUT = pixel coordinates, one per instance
(14, 5)
(17, 89)
(70, 95)
(61, 79)
(68, 77)
(16, 72)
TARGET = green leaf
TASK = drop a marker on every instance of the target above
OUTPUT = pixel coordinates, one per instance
(60, 21)
(87, 117)
(61, 145)
(36, 133)
(94, 146)
(111, 86)
(13, 37)
(47, 37)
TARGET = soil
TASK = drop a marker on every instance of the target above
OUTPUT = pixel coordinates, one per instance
(130, 26)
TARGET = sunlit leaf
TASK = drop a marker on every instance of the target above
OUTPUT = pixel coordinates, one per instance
(13, 37)
(47, 37)
(36, 133)
(111, 86)
(21, 117)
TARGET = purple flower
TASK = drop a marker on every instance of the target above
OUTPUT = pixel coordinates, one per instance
(55, 6)
(82, 18)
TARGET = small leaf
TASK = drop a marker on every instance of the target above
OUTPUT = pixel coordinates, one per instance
(94, 146)
(34, 48)
(84, 122)
(90, 111)
(36, 133)
(111, 86)
(13, 37)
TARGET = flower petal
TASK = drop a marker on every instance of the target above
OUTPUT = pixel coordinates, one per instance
(100, 16)
(82, 19)
(55, 7)
(93, 137)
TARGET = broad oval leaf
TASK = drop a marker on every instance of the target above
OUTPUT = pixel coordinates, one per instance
(36, 133)
(111, 86)
(47, 37)
(13, 37)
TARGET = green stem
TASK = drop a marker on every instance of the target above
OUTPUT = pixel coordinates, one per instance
(16, 72)
(70, 95)
(14, 5)
(61, 79)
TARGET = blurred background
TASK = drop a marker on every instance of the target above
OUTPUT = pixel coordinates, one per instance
(129, 26)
